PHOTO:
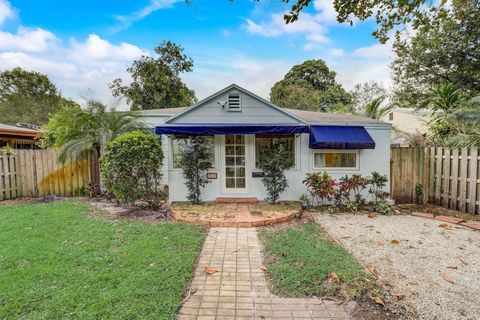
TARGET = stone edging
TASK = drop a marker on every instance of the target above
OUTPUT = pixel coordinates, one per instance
(471, 224)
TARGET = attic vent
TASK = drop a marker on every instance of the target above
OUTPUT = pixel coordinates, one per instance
(234, 102)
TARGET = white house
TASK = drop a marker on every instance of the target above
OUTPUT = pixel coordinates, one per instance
(241, 126)
(407, 121)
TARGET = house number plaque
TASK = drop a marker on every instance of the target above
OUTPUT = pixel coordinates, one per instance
(211, 175)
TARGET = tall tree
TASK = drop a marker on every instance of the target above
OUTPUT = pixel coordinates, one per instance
(156, 80)
(445, 50)
(365, 92)
(29, 97)
(310, 86)
(376, 108)
(75, 130)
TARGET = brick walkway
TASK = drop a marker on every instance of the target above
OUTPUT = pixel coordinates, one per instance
(239, 290)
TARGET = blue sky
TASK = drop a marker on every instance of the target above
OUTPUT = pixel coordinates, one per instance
(82, 46)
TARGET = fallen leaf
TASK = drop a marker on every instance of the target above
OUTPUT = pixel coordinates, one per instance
(320, 301)
(372, 215)
(452, 267)
(393, 241)
(380, 242)
(378, 301)
(332, 277)
(152, 264)
(209, 270)
(463, 261)
(373, 269)
(329, 298)
(399, 296)
(445, 226)
(419, 241)
(262, 267)
(347, 237)
(28, 228)
(118, 230)
(447, 278)
(413, 283)
(79, 242)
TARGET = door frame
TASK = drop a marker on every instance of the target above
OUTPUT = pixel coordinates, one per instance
(248, 167)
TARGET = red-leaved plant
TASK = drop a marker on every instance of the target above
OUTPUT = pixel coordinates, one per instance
(321, 186)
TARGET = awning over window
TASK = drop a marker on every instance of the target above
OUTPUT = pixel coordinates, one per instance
(197, 129)
(340, 137)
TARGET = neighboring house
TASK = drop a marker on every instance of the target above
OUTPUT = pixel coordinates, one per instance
(21, 136)
(407, 121)
(241, 126)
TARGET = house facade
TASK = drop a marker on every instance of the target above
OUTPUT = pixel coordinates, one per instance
(240, 128)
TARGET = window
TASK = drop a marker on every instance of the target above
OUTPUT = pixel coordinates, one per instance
(234, 103)
(179, 142)
(335, 159)
(264, 143)
(390, 116)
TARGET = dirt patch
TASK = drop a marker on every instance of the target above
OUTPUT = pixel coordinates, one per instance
(109, 210)
(432, 267)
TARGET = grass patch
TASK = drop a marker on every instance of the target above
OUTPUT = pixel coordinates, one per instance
(302, 257)
(57, 263)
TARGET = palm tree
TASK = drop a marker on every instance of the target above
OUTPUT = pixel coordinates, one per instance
(375, 110)
(74, 131)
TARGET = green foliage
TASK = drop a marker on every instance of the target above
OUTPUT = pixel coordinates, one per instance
(29, 97)
(303, 258)
(374, 109)
(310, 86)
(273, 165)
(321, 186)
(419, 189)
(194, 161)
(365, 92)
(306, 201)
(156, 80)
(455, 117)
(75, 130)
(380, 198)
(131, 168)
(387, 14)
(60, 263)
(443, 50)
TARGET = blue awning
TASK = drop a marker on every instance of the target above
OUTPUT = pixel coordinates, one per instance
(198, 129)
(340, 137)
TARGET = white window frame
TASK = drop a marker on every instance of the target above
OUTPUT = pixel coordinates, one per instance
(215, 156)
(296, 152)
(356, 168)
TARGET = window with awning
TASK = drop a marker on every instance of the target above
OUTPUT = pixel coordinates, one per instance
(340, 137)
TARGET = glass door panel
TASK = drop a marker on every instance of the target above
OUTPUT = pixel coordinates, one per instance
(235, 164)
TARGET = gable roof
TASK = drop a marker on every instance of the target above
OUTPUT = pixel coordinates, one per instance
(226, 89)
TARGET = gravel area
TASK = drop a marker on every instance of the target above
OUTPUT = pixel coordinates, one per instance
(434, 264)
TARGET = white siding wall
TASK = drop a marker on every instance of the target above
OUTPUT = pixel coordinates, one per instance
(253, 111)
(377, 159)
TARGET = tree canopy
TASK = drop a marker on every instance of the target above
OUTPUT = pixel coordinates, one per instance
(310, 86)
(363, 93)
(444, 50)
(156, 81)
(387, 14)
(29, 97)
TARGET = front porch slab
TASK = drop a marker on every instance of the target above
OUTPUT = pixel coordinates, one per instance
(240, 215)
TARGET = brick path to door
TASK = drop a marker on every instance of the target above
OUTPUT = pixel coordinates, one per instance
(239, 289)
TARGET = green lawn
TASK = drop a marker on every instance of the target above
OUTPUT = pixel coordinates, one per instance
(302, 257)
(58, 263)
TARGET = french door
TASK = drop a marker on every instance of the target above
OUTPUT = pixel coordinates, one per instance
(235, 163)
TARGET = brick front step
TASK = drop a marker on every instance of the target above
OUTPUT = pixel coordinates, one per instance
(422, 214)
(449, 219)
(472, 224)
(236, 200)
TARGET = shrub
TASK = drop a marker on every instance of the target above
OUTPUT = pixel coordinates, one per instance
(321, 186)
(273, 166)
(194, 161)
(131, 168)
(377, 183)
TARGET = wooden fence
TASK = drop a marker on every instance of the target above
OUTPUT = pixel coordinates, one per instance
(35, 173)
(448, 177)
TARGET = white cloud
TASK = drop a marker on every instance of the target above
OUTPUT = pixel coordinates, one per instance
(226, 33)
(6, 11)
(32, 40)
(335, 52)
(97, 48)
(376, 50)
(308, 25)
(125, 21)
(327, 14)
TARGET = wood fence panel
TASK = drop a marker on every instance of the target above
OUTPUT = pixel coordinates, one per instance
(34, 173)
(450, 177)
